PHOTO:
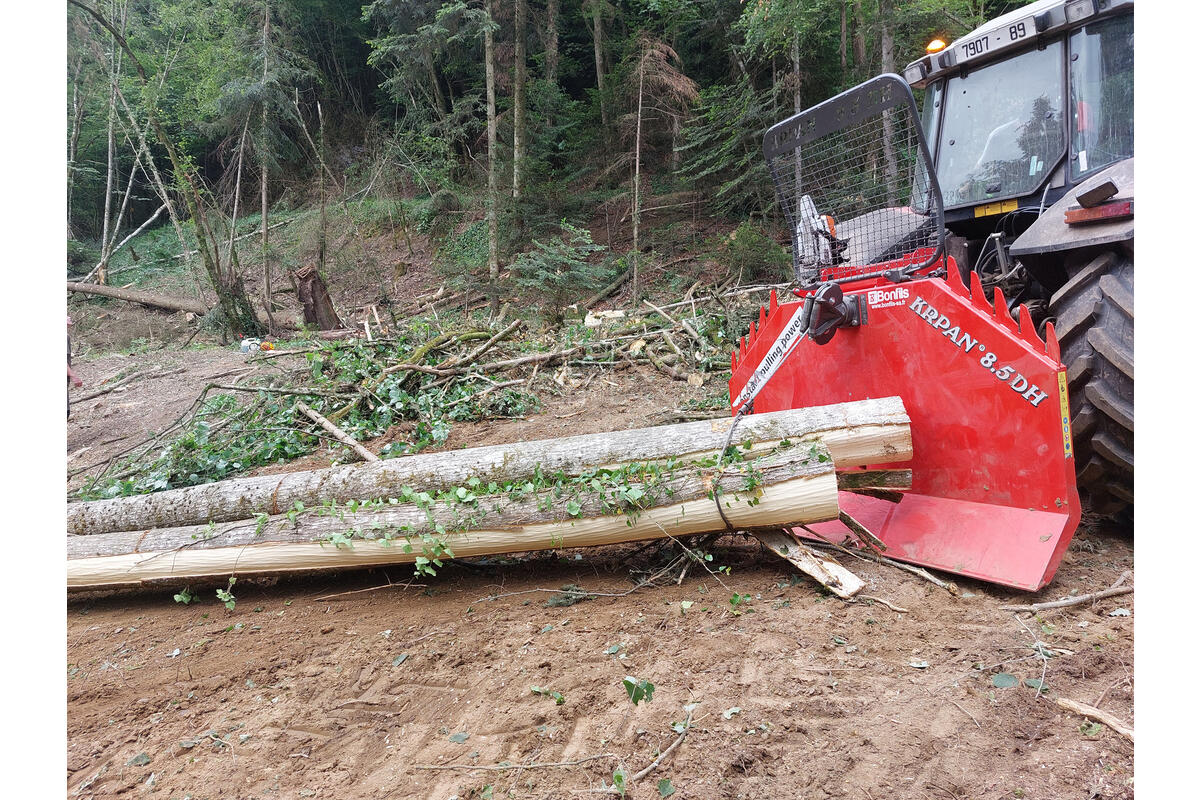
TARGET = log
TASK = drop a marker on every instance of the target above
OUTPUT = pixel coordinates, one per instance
(791, 486)
(858, 433)
(144, 298)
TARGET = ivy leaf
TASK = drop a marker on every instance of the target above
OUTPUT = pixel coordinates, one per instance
(665, 789)
(1004, 680)
(573, 508)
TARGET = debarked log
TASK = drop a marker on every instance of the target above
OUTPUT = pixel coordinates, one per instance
(857, 433)
(791, 486)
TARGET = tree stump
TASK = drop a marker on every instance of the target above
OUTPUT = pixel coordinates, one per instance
(314, 296)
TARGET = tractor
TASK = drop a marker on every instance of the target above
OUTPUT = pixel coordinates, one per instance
(976, 259)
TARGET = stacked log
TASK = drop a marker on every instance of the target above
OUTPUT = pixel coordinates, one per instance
(650, 483)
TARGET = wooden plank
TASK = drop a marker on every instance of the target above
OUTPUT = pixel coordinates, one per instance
(830, 574)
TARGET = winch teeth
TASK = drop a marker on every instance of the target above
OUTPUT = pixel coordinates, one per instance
(977, 295)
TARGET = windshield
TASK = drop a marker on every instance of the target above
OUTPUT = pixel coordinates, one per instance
(1101, 95)
(1002, 129)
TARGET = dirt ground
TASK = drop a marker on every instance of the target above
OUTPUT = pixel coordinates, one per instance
(345, 687)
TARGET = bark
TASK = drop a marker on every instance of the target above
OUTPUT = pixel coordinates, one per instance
(489, 57)
(859, 433)
(552, 7)
(860, 36)
(336, 432)
(519, 23)
(314, 297)
(794, 487)
(266, 252)
(144, 298)
(888, 64)
(598, 50)
(842, 44)
(637, 176)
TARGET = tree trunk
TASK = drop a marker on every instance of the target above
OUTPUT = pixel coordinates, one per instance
(860, 36)
(519, 24)
(858, 433)
(237, 186)
(598, 49)
(489, 54)
(314, 296)
(637, 178)
(888, 64)
(114, 76)
(791, 487)
(842, 46)
(266, 251)
(552, 7)
(144, 298)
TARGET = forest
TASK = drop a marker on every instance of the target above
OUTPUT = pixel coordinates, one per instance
(504, 131)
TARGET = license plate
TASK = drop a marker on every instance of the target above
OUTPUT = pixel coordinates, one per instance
(996, 39)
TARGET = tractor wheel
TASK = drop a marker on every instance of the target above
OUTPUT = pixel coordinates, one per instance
(1094, 324)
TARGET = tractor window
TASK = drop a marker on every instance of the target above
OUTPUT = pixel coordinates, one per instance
(1101, 95)
(1003, 128)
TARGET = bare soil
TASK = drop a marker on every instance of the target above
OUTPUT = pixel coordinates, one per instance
(344, 686)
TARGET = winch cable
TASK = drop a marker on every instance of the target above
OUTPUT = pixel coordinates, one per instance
(747, 408)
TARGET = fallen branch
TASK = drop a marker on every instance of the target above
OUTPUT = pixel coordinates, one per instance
(125, 380)
(687, 328)
(670, 372)
(336, 432)
(687, 724)
(1112, 591)
(1096, 714)
(830, 574)
(949, 586)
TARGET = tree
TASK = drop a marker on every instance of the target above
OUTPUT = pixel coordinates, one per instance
(662, 92)
(235, 306)
(560, 270)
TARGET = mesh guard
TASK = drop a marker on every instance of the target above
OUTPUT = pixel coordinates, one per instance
(854, 178)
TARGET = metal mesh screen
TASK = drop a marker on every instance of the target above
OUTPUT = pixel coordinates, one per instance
(855, 181)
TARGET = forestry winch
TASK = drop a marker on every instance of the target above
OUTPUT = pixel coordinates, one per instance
(883, 307)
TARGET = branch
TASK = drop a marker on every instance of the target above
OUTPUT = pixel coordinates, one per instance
(1112, 591)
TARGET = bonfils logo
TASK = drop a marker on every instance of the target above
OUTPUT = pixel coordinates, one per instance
(887, 297)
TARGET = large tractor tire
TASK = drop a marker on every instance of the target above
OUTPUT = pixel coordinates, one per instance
(1094, 324)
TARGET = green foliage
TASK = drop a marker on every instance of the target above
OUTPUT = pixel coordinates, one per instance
(463, 256)
(226, 595)
(185, 596)
(559, 271)
(638, 689)
(228, 436)
(722, 148)
(557, 697)
(752, 255)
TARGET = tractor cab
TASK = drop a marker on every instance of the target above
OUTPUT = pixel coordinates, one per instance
(1023, 109)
